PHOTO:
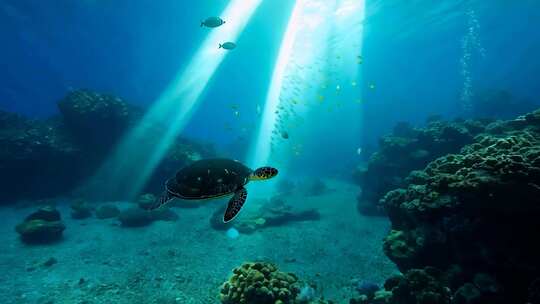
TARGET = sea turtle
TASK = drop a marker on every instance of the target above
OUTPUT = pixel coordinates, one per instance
(212, 178)
(212, 22)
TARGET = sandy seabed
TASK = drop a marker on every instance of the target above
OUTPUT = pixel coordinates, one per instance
(186, 261)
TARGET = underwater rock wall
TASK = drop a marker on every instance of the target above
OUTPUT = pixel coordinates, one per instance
(407, 149)
(96, 121)
(473, 216)
(32, 152)
(47, 158)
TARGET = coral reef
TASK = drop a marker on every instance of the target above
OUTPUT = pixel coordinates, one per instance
(259, 283)
(471, 214)
(408, 149)
(416, 286)
(54, 156)
(43, 226)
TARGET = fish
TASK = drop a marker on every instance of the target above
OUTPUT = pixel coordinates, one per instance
(284, 134)
(259, 111)
(212, 22)
(353, 83)
(372, 86)
(227, 45)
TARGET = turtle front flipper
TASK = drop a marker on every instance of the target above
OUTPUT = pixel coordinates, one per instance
(160, 201)
(235, 204)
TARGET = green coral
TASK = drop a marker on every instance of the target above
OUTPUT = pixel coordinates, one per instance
(259, 283)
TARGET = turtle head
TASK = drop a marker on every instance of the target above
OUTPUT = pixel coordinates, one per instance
(263, 173)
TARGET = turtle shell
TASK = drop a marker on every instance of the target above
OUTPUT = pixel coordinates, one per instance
(209, 178)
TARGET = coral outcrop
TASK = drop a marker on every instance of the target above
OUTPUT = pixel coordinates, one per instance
(95, 119)
(259, 283)
(51, 157)
(408, 149)
(416, 286)
(32, 152)
(41, 227)
(473, 215)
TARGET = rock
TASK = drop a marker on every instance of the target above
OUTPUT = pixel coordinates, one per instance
(80, 210)
(135, 217)
(146, 201)
(272, 214)
(40, 231)
(47, 213)
(42, 226)
(107, 211)
(49, 262)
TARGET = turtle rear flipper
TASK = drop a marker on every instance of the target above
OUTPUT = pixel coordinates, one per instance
(160, 201)
(235, 205)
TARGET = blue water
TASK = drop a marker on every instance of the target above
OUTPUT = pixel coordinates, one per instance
(418, 58)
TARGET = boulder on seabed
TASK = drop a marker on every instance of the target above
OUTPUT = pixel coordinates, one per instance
(41, 227)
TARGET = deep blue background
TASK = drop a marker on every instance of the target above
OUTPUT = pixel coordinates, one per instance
(133, 48)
